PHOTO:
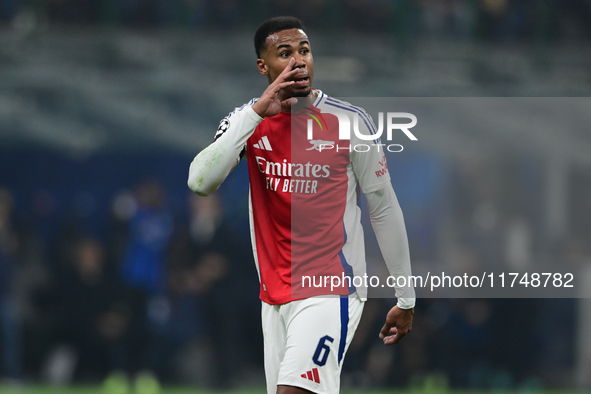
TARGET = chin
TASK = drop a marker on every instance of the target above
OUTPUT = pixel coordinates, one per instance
(302, 93)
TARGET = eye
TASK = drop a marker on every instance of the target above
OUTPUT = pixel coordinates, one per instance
(304, 51)
(284, 54)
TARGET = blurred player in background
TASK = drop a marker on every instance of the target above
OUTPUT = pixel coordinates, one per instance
(304, 215)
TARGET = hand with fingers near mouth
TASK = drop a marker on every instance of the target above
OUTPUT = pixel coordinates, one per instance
(271, 101)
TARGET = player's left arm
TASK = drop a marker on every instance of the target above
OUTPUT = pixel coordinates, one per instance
(387, 221)
(388, 224)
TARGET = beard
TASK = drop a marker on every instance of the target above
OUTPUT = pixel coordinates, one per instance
(302, 93)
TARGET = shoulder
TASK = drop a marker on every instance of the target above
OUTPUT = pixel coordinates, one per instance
(241, 108)
(329, 104)
(238, 111)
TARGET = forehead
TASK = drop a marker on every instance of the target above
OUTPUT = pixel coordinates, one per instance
(290, 36)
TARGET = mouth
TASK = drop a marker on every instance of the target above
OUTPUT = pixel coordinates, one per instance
(301, 80)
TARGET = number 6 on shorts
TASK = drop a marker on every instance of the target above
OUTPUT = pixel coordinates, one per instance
(322, 350)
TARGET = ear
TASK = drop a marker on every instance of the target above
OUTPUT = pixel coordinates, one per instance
(262, 67)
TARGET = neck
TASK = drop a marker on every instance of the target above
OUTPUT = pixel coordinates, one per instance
(303, 102)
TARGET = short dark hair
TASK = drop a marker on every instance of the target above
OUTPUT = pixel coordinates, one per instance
(271, 26)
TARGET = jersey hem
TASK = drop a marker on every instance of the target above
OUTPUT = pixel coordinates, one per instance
(330, 295)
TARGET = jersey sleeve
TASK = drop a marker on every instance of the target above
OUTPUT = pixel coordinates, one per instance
(367, 157)
(213, 164)
(388, 225)
(371, 170)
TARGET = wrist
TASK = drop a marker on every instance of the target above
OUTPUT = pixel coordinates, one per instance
(406, 303)
(256, 108)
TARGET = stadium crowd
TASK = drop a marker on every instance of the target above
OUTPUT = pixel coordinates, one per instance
(485, 19)
(169, 291)
(153, 291)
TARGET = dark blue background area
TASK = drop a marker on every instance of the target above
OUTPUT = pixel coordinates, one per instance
(50, 188)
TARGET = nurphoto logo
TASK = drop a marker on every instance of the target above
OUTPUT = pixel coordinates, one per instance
(345, 132)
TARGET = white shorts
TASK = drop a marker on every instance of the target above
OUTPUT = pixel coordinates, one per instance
(306, 340)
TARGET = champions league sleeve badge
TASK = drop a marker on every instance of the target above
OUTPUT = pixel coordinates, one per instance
(224, 125)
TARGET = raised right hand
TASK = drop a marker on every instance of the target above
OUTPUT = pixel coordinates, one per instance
(271, 103)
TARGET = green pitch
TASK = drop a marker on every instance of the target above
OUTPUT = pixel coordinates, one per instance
(100, 390)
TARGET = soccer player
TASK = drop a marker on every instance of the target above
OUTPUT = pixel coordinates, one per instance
(305, 221)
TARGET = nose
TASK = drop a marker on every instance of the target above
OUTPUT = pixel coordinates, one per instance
(299, 61)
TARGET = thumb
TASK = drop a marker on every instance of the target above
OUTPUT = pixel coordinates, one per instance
(385, 331)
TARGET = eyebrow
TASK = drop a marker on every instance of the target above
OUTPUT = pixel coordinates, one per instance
(289, 46)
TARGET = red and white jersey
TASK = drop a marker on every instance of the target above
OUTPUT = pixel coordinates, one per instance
(304, 214)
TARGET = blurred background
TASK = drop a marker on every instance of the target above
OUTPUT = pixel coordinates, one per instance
(110, 268)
